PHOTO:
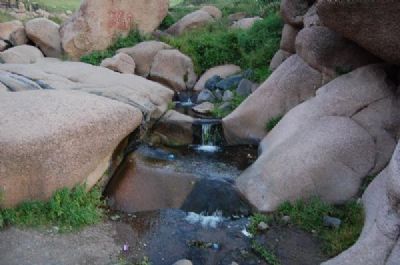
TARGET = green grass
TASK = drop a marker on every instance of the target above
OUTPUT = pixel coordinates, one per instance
(234, 103)
(272, 123)
(217, 44)
(265, 254)
(4, 17)
(97, 57)
(309, 216)
(57, 5)
(67, 209)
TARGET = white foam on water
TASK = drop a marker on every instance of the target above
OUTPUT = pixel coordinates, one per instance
(208, 148)
(206, 221)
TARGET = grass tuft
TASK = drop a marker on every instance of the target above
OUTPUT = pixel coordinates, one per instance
(272, 123)
(68, 209)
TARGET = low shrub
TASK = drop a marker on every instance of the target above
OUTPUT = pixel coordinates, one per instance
(67, 209)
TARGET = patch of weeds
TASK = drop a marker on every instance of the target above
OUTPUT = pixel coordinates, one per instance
(4, 16)
(96, 57)
(145, 261)
(67, 209)
(56, 19)
(234, 103)
(272, 123)
(256, 219)
(309, 216)
(171, 105)
(265, 254)
(168, 21)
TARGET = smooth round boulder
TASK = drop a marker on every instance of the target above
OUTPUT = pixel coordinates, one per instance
(173, 69)
(293, 11)
(121, 62)
(45, 34)
(191, 21)
(222, 71)
(143, 54)
(279, 57)
(13, 31)
(97, 23)
(54, 139)
(283, 90)
(213, 11)
(330, 53)
(374, 25)
(24, 54)
(288, 40)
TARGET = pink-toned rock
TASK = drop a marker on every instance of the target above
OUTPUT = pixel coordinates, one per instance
(121, 63)
(45, 34)
(213, 11)
(245, 23)
(283, 90)
(329, 52)
(143, 54)
(221, 70)
(173, 69)
(3, 45)
(204, 108)
(54, 139)
(279, 57)
(288, 40)
(293, 11)
(14, 32)
(98, 22)
(191, 21)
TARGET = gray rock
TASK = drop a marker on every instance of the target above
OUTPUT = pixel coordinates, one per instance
(332, 222)
(286, 219)
(211, 84)
(218, 94)
(183, 262)
(17, 83)
(204, 108)
(205, 95)
(245, 88)
(262, 226)
(227, 106)
(229, 83)
(228, 96)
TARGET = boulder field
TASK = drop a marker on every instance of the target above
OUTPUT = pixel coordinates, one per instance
(67, 124)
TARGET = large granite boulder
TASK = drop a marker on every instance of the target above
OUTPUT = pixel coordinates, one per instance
(288, 40)
(98, 22)
(191, 21)
(14, 32)
(323, 147)
(45, 34)
(379, 242)
(329, 52)
(283, 90)
(150, 97)
(143, 54)
(279, 57)
(53, 139)
(293, 11)
(213, 11)
(24, 54)
(374, 25)
(173, 69)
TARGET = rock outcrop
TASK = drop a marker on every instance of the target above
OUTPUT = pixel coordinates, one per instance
(283, 90)
(379, 242)
(45, 34)
(98, 22)
(55, 139)
(374, 25)
(323, 147)
(149, 97)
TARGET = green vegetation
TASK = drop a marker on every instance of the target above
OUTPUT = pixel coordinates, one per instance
(272, 123)
(309, 216)
(68, 209)
(55, 5)
(264, 253)
(234, 103)
(97, 57)
(215, 45)
(4, 17)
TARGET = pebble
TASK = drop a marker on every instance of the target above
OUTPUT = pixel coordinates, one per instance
(262, 226)
(332, 222)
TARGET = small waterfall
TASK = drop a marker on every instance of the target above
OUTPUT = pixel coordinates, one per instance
(210, 138)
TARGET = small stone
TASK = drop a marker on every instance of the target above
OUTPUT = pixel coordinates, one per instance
(332, 222)
(183, 262)
(228, 96)
(204, 108)
(262, 226)
(245, 88)
(205, 95)
(234, 263)
(230, 82)
(218, 94)
(286, 219)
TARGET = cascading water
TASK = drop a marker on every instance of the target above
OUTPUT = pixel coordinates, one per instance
(210, 138)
